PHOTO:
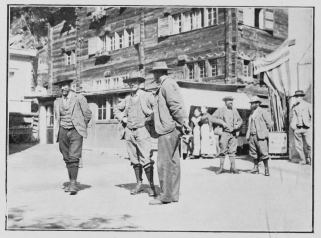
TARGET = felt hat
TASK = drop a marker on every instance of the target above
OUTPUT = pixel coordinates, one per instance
(299, 93)
(62, 79)
(255, 99)
(133, 76)
(159, 66)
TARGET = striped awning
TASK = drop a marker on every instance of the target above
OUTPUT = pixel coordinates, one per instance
(277, 68)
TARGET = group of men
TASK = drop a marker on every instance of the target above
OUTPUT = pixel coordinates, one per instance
(144, 115)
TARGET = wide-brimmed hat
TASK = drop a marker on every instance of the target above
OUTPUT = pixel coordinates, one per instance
(62, 79)
(299, 93)
(228, 98)
(255, 99)
(159, 66)
(133, 76)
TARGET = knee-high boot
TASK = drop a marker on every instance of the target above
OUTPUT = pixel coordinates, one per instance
(221, 170)
(255, 169)
(138, 173)
(266, 166)
(149, 171)
(73, 188)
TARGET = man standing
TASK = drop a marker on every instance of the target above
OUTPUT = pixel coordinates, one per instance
(229, 119)
(258, 132)
(170, 120)
(72, 116)
(301, 125)
(135, 114)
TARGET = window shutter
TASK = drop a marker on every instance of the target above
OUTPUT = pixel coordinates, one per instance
(163, 27)
(92, 45)
(250, 68)
(208, 68)
(221, 66)
(205, 17)
(170, 28)
(73, 57)
(240, 15)
(126, 44)
(116, 41)
(269, 19)
(137, 34)
(185, 72)
(216, 16)
(248, 16)
(108, 43)
(187, 21)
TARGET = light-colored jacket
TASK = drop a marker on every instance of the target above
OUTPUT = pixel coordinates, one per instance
(306, 112)
(80, 116)
(121, 110)
(169, 110)
(262, 122)
(219, 116)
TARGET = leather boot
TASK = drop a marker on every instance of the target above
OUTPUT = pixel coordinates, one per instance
(221, 170)
(149, 171)
(73, 188)
(255, 169)
(233, 170)
(66, 188)
(138, 173)
(266, 166)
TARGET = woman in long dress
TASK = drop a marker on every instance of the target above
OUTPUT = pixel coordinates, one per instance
(208, 141)
(196, 132)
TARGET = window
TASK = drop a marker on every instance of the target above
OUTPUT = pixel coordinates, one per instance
(197, 19)
(101, 109)
(262, 18)
(121, 40)
(112, 42)
(202, 71)
(49, 115)
(211, 16)
(130, 33)
(105, 107)
(116, 82)
(246, 68)
(70, 57)
(213, 67)
(177, 24)
(190, 71)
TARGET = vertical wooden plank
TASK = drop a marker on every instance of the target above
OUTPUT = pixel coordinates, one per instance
(269, 19)
(137, 34)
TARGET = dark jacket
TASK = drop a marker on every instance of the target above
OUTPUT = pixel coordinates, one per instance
(262, 122)
(169, 110)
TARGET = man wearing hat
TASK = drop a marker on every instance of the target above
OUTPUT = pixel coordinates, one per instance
(229, 119)
(135, 113)
(258, 132)
(72, 115)
(301, 125)
(170, 121)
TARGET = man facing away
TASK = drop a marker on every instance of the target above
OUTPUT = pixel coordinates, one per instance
(135, 114)
(72, 115)
(301, 125)
(170, 120)
(228, 118)
(258, 132)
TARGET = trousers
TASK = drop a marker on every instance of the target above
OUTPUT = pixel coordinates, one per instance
(168, 166)
(299, 134)
(258, 147)
(70, 145)
(139, 146)
(228, 144)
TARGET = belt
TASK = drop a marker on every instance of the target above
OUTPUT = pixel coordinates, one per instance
(304, 127)
(68, 128)
(133, 129)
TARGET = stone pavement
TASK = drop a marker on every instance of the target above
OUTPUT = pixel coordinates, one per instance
(208, 202)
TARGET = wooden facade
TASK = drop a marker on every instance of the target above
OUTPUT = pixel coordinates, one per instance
(204, 45)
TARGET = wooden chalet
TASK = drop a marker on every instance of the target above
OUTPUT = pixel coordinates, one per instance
(209, 49)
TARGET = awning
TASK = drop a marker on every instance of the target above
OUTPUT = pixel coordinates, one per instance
(214, 99)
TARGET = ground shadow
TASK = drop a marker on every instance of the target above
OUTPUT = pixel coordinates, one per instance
(16, 147)
(16, 221)
(79, 185)
(226, 170)
(130, 186)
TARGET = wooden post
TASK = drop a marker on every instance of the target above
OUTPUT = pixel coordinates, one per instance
(42, 124)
